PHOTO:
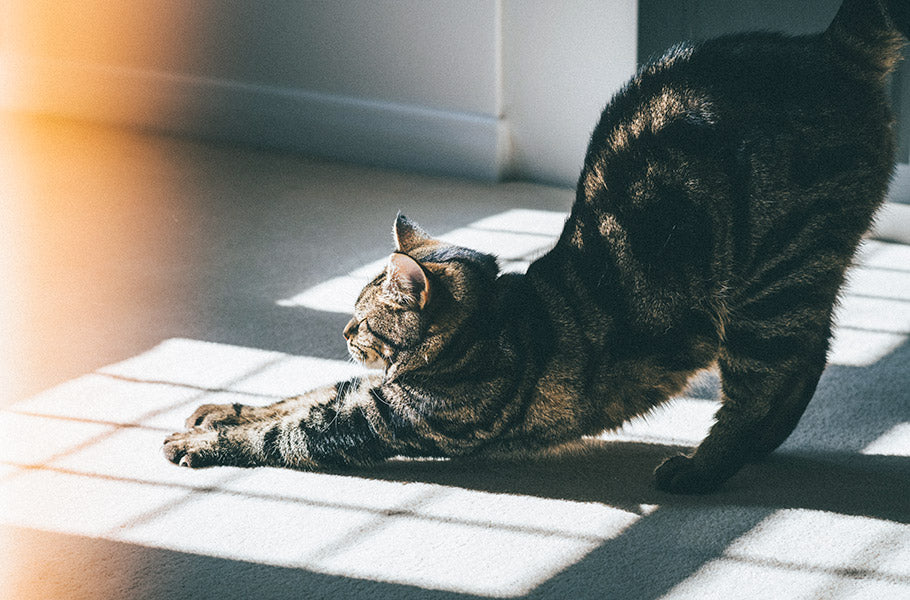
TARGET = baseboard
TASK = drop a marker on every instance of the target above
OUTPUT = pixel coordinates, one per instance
(338, 127)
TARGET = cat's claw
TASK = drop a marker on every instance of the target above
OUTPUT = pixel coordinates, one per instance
(682, 475)
(191, 449)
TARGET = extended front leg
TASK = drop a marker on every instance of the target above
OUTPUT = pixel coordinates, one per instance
(212, 416)
(330, 426)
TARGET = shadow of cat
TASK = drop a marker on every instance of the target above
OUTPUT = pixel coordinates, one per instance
(619, 474)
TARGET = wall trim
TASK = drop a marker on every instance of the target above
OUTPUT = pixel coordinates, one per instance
(345, 128)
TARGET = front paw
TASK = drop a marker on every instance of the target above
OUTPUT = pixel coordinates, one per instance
(683, 475)
(194, 448)
(210, 416)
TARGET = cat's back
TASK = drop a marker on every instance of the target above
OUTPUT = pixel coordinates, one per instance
(774, 84)
(741, 86)
(702, 164)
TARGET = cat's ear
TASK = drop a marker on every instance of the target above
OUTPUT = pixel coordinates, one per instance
(406, 282)
(408, 234)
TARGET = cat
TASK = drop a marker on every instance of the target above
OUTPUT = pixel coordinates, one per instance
(722, 197)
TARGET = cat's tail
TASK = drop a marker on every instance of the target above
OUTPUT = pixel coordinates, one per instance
(868, 34)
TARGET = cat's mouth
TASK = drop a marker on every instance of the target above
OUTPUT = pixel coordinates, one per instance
(366, 356)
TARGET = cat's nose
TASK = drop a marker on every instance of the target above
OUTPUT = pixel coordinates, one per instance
(350, 329)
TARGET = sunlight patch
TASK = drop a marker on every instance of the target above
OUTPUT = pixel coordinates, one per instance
(73, 504)
(521, 220)
(296, 374)
(882, 283)
(808, 554)
(97, 397)
(335, 295)
(894, 442)
(479, 543)
(885, 255)
(680, 422)
(29, 439)
(505, 245)
(194, 363)
(874, 314)
(861, 348)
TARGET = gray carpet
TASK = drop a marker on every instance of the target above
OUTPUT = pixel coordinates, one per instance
(156, 274)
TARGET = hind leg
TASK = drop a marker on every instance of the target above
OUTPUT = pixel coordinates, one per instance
(767, 381)
(776, 427)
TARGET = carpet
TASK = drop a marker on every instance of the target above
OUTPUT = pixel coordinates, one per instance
(91, 509)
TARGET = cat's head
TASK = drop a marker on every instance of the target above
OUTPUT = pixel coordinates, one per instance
(428, 288)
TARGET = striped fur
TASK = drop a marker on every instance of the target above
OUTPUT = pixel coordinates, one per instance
(722, 197)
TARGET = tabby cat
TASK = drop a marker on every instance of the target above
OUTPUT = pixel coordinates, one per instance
(722, 196)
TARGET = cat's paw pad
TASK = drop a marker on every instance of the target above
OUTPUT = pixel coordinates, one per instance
(682, 475)
(194, 448)
(209, 416)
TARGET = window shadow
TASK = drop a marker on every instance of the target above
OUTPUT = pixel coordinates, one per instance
(619, 474)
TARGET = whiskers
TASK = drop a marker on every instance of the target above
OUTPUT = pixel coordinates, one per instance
(376, 395)
(360, 359)
(342, 390)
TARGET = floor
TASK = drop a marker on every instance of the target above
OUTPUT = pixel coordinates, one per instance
(144, 275)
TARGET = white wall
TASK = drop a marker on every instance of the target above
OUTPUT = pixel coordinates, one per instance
(483, 88)
(562, 62)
